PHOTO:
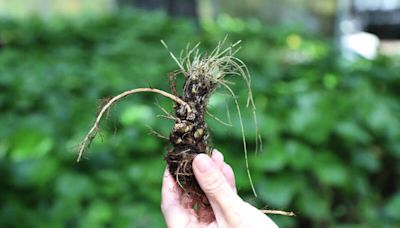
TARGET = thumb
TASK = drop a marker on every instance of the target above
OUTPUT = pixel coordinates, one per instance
(221, 196)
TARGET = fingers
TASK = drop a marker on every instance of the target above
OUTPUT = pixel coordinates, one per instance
(226, 169)
(223, 199)
(229, 175)
(218, 158)
(169, 194)
(171, 206)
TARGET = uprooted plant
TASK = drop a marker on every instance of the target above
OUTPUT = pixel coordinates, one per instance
(203, 74)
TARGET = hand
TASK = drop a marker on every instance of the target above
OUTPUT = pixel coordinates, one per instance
(216, 179)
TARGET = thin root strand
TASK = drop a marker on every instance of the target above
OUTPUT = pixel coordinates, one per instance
(277, 212)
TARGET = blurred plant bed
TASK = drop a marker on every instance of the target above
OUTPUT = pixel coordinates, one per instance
(330, 127)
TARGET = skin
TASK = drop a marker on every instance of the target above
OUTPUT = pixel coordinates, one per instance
(217, 180)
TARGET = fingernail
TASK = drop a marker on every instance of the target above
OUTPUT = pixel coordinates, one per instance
(203, 163)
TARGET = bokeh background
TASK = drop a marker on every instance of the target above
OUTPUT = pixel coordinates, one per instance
(326, 81)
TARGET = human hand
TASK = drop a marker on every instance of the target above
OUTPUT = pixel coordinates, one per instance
(216, 179)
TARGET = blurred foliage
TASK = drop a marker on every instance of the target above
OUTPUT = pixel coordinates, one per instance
(51, 8)
(330, 126)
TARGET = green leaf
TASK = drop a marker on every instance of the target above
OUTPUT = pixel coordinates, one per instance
(279, 191)
(30, 143)
(392, 207)
(352, 133)
(72, 186)
(311, 119)
(273, 158)
(313, 204)
(366, 159)
(137, 114)
(330, 170)
(99, 213)
(299, 155)
(4, 147)
(37, 172)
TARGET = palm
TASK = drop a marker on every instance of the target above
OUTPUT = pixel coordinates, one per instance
(178, 208)
(181, 208)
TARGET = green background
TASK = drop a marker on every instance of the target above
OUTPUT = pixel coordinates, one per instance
(330, 126)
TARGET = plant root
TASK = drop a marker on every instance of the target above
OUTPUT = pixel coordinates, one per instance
(203, 75)
(110, 101)
(277, 212)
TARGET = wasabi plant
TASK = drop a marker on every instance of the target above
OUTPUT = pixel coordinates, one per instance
(190, 136)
